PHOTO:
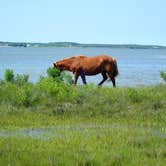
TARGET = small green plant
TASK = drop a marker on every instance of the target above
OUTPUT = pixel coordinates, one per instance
(163, 75)
(67, 78)
(21, 79)
(59, 76)
(1, 82)
(134, 95)
(9, 75)
(55, 74)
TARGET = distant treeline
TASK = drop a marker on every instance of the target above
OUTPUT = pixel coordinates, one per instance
(72, 44)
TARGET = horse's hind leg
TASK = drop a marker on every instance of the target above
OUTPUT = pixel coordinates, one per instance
(112, 79)
(113, 82)
(104, 78)
(83, 78)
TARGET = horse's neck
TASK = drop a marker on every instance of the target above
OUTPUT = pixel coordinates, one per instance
(68, 64)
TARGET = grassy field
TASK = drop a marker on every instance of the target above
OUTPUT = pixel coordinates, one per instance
(54, 123)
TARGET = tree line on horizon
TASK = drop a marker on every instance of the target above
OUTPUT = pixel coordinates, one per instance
(73, 44)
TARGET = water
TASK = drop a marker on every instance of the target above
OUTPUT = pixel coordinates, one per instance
(64, 131)
(137, 67)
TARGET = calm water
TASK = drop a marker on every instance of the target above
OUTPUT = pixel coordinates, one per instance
(83, 129)
(137, 67)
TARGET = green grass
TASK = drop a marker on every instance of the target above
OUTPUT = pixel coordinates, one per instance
(98, 146)
(81, 125)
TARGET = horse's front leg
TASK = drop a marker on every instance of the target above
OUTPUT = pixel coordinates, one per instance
(76, 75)
(83, 78)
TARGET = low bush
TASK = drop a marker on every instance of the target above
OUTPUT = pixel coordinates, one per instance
(133, 95)
(58, 76)
(163, 75)
(55, 74)
(86, 100)
(9, 75)
(21, 79)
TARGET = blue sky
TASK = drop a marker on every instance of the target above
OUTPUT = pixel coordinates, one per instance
(84, 21)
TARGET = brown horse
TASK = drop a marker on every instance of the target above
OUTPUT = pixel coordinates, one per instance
(83, 65)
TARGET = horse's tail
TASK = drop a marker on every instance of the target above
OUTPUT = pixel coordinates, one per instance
(115, 68)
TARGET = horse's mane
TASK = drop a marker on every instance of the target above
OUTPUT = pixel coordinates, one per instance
(72, 58)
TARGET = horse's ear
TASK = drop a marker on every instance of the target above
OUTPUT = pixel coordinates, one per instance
(54, 64)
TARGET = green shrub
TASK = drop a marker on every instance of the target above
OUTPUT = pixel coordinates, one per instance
(24, 95)
(55, 74)
(47, 85)
(9, 75)
(67, 78)
(21, 79)
(51, 88)
(163, 75)
(28, 95)
(133, 95)
(59, 76)
(1, 82)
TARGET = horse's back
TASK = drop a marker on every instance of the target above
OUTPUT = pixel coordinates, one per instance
(94, 60)
(78, 56)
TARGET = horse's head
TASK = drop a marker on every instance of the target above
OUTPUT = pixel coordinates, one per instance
(58, 65)
(65, 64)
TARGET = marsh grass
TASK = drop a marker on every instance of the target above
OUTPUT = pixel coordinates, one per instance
(116, 124)
(86, 146)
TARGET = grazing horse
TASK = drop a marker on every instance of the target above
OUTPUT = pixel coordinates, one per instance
(83, 65)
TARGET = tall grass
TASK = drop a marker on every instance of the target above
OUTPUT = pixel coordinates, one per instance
(89, 125)
(56, 96)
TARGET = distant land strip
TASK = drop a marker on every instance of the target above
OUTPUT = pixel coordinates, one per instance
(73, 44)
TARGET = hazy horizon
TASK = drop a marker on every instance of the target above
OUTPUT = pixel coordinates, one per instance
(84, 43)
